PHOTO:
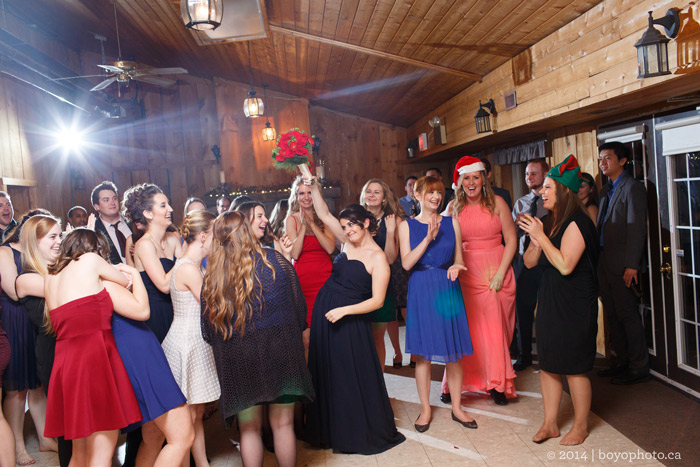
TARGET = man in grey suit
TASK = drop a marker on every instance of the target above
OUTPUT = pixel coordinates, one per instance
(622, 226)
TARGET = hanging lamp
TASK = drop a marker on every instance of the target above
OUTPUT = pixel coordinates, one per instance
(268, 133)
(253, 107)
(202, 15)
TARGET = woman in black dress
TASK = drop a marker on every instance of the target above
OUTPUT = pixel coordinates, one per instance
(352, 412)
(567, 307)
(253, 316)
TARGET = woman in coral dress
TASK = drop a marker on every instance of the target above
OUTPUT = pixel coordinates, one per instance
(488, 284)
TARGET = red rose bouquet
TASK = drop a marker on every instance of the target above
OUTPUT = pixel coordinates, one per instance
(294, 150)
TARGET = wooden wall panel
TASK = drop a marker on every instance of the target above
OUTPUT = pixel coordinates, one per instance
(355, 149)
(575, 70)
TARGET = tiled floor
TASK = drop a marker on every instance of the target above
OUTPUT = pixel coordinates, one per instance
(502, 439)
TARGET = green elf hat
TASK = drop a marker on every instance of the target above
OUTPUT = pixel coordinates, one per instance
(568, 173)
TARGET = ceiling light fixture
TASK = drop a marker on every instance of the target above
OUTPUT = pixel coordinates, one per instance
(253, 107)
(268, 133)
(202, 15)
(652, 47)
(482, 117)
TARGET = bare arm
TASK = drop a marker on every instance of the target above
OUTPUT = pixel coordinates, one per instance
(511, 240)
(390, 247)
(296, 231)
(532, 255)
(8, 272)
(325, 237)
(572, 245)
(458, 263)
(30, 285)
(130, 251)
(146, 253)
(133, 304)
(409, 257)
(380, 282)
(190, 278)
(325, 215)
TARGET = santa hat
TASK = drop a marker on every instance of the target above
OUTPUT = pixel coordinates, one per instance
(568, 173)
(466, 165)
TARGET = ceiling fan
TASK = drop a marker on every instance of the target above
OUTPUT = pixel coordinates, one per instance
(123, 71)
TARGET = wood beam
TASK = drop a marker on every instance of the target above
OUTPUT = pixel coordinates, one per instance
(374, 52)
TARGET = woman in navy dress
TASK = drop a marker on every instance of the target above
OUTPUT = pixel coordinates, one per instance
(20, 380)
(154, 257)
(436, 321)
(352, 412)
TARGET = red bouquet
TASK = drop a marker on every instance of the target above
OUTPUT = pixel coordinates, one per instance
(293, 150)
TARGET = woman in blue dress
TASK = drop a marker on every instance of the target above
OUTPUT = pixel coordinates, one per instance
(165, 417)
(352, 412)
(436, 322)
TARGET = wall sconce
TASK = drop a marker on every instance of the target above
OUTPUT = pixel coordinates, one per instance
(482, 118)
(77, 179)
(268, 133)
(439, 132)
(652, 48)
(253, 107)
(202, 15)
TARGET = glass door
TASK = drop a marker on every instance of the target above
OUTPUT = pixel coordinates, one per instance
(679, 143)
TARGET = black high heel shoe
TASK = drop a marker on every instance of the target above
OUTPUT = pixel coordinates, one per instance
(399, 364)
(421, 428)
(471, 424)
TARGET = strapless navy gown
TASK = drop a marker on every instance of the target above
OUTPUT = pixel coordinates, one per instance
(352, 412)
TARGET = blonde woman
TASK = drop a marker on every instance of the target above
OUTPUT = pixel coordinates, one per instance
(40, 240)
(378, 199)
(190, 358)
(312, 245)
(253, 317)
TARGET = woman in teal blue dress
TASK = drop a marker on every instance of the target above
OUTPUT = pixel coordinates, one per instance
(436, 322)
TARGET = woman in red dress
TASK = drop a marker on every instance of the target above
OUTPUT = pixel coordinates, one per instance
(90, 396)
(312, 245)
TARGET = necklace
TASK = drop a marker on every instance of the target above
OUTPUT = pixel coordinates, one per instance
(161, 245)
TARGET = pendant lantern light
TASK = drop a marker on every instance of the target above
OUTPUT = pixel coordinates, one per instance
(253, 107)
(268, 133)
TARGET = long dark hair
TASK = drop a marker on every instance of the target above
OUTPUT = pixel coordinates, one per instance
(593, 195)
(80, 241)
(248, 209)
(567, 204)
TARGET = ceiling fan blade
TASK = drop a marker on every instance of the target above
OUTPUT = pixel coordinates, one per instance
(165, 71)
(113, 69)
(104, 84)
(153, 80)
(78, 77)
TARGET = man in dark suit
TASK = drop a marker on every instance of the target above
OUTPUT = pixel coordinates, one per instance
(109, 221)
(622, 220)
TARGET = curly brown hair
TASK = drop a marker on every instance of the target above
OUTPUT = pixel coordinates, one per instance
(231, 285)
(137, 199)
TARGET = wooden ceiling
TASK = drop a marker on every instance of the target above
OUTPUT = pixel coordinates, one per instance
(472, 36)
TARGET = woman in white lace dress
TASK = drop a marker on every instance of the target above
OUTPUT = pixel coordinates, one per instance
(190, 358)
